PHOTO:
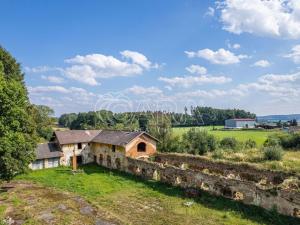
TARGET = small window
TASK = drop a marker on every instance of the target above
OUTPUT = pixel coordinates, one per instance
(141, 147)
(79, 146)
(113, 148)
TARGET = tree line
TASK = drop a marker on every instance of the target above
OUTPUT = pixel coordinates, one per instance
(197, 116)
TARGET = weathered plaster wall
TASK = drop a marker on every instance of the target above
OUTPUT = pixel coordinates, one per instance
(106, 157)
(228, 183)
(131, 148)
(68, 149)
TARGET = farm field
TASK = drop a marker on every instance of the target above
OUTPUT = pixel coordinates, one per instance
(241, 135)
(134, 201)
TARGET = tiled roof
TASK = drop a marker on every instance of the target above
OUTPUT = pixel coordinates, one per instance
(75, 136)
(47, 150)
(115, 137)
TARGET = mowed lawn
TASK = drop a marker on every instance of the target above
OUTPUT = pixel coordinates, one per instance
(242, 135)
(139, 202)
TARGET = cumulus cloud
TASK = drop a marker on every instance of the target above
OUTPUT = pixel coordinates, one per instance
(42, 89)
(89, 68)
(53, 79)
(279, 85)
(139, 90)
(196, 69)
(221, 56)
(262, 63)
(273, 18)
(294, 54)
(188, 81)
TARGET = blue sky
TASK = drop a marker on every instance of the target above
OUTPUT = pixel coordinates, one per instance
(148, 55)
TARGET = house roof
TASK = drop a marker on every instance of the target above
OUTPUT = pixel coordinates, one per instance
(116, 137)
(113, 137)
(47, 150)
(75, 136)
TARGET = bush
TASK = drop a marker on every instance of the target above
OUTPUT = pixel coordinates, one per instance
(272, 140)
(229, 143)
(198, 142)
(273, 153)
(250, 144)
(285, 140)
(218, 154)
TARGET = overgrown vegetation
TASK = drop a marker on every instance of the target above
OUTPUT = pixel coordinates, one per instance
(273, 152)
(286, 140)
(135, 201)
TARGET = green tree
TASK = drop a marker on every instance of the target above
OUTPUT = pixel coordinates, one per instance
(17, 127)
(43, 118)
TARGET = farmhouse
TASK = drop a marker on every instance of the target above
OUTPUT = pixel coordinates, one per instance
(105, 147)
(240, 123)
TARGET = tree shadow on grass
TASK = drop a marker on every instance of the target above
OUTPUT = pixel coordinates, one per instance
(249, 212)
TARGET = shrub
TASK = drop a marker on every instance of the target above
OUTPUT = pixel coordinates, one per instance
(198, 141)
(285, 140)
(273, 153)
(250, 144)
(272, 140)
(229, 143)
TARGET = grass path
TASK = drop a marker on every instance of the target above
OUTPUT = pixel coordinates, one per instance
(139, 202)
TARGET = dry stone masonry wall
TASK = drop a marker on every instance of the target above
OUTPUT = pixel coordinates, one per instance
(267, 189)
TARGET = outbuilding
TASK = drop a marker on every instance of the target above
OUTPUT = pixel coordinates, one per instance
(240, 123)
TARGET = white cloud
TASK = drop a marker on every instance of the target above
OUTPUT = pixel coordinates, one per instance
(196, 69)
(234, 46)
(53, 79)
(274, 18)
(262, 63)
(294, 54)
(138, 58)
(221, 56)
(42, 69)
(279, 85)
(210, 11)
(139, 90)
(188, 81)
(89, 68)
(42, 89)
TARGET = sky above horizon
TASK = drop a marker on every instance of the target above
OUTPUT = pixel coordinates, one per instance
(134, 55)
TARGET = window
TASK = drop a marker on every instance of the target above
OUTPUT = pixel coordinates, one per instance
(141, 147)
(79, 146)
(113, 148)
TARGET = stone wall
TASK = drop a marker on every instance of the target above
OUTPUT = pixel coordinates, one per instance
(243, 183)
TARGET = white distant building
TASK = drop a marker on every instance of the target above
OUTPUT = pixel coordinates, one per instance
(240, 123)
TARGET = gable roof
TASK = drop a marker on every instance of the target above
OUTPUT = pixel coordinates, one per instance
(117, 137)
(75, 136)
(113, 137)
(48, 150)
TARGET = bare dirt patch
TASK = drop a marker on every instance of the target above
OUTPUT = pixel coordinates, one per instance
(28, 203)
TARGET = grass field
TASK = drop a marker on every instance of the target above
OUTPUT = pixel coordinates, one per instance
(139, 202)
(242, 135)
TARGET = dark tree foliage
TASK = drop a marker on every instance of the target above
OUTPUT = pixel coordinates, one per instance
(17, 127)
(140, 120)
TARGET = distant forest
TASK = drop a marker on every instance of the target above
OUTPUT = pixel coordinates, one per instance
(196, 116)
